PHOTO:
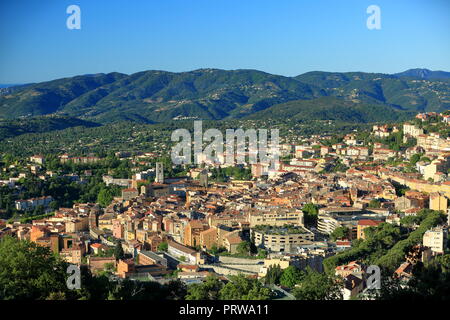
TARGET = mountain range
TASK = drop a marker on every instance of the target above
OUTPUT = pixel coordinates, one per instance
(157, 96)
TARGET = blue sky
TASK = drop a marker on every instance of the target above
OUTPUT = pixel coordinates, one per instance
(286, 37)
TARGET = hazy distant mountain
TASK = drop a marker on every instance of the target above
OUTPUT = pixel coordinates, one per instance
(424, 74)
(7, 89)
(154, 96)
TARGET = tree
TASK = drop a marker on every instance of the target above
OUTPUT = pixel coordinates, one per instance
(273, 275)
(242, 288)
(377, 242)
(400, 189)
(56, 296)
(396, 255)
(429, 281)
(148, 290)
(216, 250)
(163, 246)
(318, 286)
(208, 290)
(29, 271)
(415, 158)
(339, 233)
(174, 290)
(253, 248)
(54, 205)
(243, 248)
(410, 221)
(32, 272)
(262, 253)
(38, 210)
(109, 267)
(311, 212)
(291, 276)
(374, 203)
(118, 251)
(104, 197)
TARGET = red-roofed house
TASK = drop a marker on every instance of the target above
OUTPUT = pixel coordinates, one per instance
(129, 193)
(97, 247)
(363, 224)
(352, 267)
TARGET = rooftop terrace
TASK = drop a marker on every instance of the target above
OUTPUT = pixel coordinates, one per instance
(280, 230)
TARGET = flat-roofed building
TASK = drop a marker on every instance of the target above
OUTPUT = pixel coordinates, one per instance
(276, 217)
(436, 239)
(412, 130)
(178, 251)
(148, 258)
(286, 238)
(331, 218)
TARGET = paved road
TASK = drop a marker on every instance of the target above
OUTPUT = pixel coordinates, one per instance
(281, 293)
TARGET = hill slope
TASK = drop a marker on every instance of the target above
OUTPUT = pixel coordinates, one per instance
(409, 94)
(12, 128)
(157, 96)
(332, 108)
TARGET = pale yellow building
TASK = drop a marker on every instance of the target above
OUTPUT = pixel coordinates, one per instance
(283, 263)
(412, 130)
(276, 218)
(438, 201)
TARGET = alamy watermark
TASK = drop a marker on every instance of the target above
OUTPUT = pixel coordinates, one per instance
(374, 280)
(374, 20)
(74, 20)
(74, 280)
(234, 151)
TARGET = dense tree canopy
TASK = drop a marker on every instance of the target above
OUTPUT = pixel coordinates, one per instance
(291, 276)
(318, 286)
(243, 288)
(31, 272)
(28, 271)
(375, 245)
(208, 290)
(311, 212)
(118, 250)
(239, 287)
(339, 233)
(273, 275)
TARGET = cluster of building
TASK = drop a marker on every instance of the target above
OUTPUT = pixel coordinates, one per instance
(182, 223)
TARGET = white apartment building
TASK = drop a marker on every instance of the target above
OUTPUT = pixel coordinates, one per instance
(33, 203)
(436, 239)
(412, 130)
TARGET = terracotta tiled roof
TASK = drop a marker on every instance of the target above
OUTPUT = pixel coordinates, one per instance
(368, 222)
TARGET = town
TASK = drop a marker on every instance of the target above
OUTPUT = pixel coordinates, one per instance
(332, 206)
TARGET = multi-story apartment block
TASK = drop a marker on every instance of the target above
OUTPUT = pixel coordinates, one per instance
(276, 217)
(32, 203)
(412, 130)
(436, 239)
(286, 238)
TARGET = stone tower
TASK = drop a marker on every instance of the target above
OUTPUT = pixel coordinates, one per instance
(204, 178)
(159, 173)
